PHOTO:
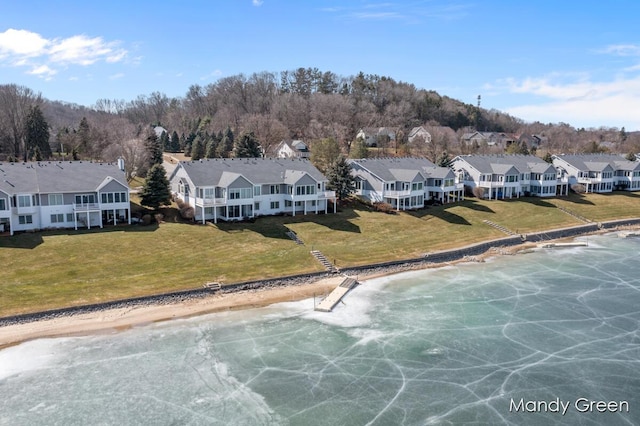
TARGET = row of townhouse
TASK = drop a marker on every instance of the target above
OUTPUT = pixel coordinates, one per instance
(70, 194)
(405, 183)
(73, 194)
(509, 176)
(599, 172)
(240, 188)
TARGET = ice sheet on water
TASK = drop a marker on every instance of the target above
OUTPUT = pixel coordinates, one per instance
(28, 356)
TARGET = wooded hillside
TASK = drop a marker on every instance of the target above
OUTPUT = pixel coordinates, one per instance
(305, 103)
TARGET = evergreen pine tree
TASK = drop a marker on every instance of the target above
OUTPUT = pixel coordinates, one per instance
(156, 191)
(36, 131)
(225, 147)
(340, 178)
(547, 157)
(174, 144)
(154, 149)
(210, 149)
(197, 148)
(164, 141)
(84, 136)
(443, 160)
(247, 146)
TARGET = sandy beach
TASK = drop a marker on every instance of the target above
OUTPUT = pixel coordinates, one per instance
(114, 320)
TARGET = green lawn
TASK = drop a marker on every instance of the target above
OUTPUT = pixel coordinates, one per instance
(63, 268)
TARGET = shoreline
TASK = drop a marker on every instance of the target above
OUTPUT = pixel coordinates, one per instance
(116, 319)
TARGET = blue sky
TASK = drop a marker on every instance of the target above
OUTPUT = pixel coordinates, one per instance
(551, 61)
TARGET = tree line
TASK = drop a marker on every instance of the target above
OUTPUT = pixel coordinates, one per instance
(241, 115)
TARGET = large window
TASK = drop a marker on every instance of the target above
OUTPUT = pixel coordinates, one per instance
(274, 189)
(3, 204)
(24, 200)
(56, 200)
(113, 197)
(305, 189)
(85, 199)
(275, 205)
(242, 193)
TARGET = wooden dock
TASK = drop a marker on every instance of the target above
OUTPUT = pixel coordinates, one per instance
(328, 303)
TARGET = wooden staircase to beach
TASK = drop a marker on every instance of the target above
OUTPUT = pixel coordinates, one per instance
(500, 227)
(325, 262)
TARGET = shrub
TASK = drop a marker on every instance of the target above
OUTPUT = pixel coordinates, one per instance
(187, 212)
(578, 188)
(384, 207)
(478, 192)
(146, 219)
(158, 217)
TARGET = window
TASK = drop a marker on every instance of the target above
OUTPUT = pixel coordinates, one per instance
(274, 189)
(416, 186)
(3, 204)
(25, 220)
(236, 194)
(24, 200)
(234, 211)
(57, 218)
(85, 199)
(305, 189)
(69, 217)
(275, 205)
(287, 203)
(256, 206)
(56, 200)
(256, 191)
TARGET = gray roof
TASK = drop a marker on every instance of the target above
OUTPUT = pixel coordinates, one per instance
(215, 172)
(500, 164)
(48, 177)
(401, 169)
(598, 162)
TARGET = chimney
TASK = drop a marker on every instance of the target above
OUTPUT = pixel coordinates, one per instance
(121, 163)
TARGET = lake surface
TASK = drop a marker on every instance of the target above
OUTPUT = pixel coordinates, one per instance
(509, 341)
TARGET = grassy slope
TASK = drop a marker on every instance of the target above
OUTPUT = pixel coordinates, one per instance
(60, 268)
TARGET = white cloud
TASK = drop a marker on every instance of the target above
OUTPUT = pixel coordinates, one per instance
(20, 48)
(581, 103)
(22, 43)
(116, 76)
(622, 50)
(43, 70)
(257, 3)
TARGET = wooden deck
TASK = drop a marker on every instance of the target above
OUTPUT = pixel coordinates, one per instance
(328, 303)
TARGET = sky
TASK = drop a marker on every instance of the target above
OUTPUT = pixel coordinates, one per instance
(548, 61)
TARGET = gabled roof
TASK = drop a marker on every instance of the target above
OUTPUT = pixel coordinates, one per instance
(597, 162)
(401, 169)
(215, 172)
(57, 176)
(500, 164)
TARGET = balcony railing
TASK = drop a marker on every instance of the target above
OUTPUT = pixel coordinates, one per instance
(324, 195)
(208, 202)
(405, 193)
(85, 207)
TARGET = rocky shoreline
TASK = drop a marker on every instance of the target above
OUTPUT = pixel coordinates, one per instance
(470, 252)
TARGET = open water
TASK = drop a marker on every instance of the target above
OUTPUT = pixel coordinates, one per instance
(480, 343)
